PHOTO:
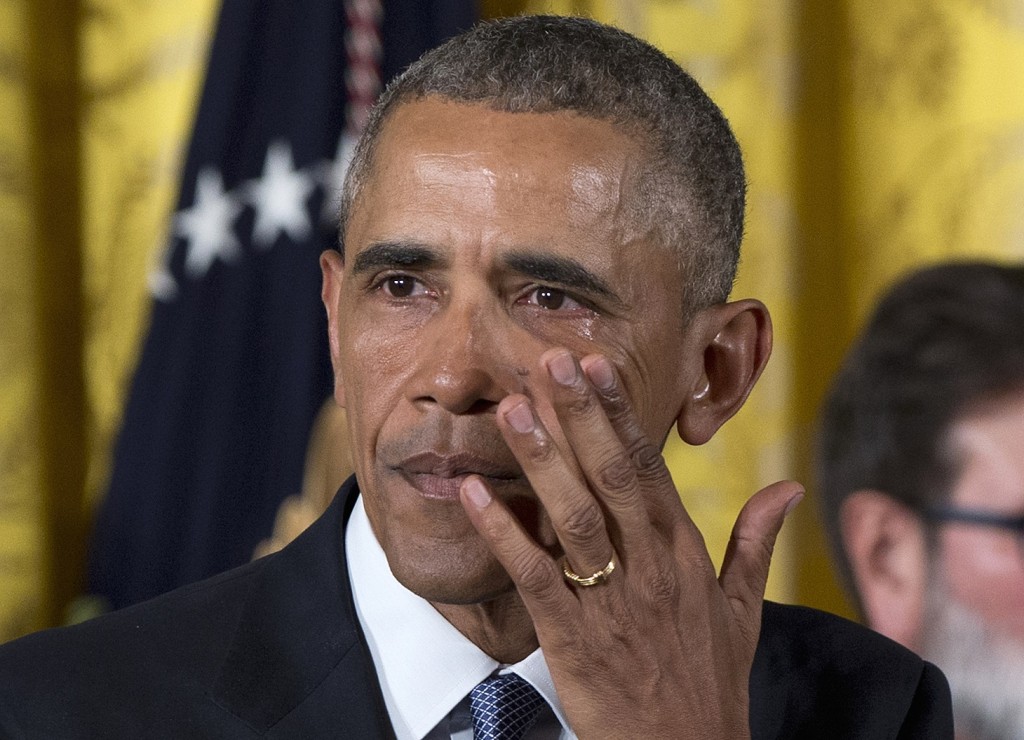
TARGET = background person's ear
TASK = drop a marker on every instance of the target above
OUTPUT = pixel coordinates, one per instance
(733, 342)
(332, 266)
(886, 546)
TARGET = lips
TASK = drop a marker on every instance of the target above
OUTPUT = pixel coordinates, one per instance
(439, 476)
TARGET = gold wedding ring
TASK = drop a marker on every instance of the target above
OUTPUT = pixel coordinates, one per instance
(577, 580)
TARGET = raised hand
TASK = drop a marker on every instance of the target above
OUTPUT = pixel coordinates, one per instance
(659, 646)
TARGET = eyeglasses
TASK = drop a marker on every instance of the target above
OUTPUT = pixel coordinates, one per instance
(1013, 523)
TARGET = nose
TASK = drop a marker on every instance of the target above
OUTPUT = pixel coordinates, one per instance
(465, 364)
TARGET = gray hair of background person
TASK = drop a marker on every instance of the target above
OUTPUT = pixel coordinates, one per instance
(692, 189)
(942, 342)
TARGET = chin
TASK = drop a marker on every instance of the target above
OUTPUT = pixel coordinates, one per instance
(443, 574)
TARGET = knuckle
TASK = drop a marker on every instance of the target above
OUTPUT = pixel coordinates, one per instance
(646, 458)
(542, 450)
(757, 548)
(617, 402)
(616, 474)
(535, 572)
(582, 404)
(662, 588)
(582, 522)
(623, 416)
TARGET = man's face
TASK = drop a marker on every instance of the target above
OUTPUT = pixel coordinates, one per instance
(983, 567)
(480, 240)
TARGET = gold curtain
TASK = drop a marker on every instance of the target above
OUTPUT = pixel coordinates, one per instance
(878, 136)
(97, 100)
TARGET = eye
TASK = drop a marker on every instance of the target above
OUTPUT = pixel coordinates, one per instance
(402, 286)
(552, 299)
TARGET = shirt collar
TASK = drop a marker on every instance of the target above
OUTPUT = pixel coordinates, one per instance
(425, 665)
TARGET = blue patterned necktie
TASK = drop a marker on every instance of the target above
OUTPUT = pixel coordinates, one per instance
(503, 708)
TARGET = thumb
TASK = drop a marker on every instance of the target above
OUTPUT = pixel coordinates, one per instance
(749, 553)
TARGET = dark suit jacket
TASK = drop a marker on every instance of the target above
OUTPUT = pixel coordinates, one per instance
(274, 649)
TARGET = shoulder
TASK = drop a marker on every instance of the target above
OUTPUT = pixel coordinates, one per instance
(226, 657)
(810, 639)
(817, 673)
(142, 659)
(203, 609)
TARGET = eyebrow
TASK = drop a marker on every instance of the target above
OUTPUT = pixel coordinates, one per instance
(561, 270)
(395, 254)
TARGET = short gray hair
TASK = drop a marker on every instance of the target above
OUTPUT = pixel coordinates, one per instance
(692, 194)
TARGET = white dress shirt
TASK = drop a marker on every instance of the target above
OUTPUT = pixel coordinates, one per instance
(426, 667)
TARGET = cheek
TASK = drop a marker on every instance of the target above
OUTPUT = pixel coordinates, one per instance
(985, 571)
(375, 364)
(652, 383)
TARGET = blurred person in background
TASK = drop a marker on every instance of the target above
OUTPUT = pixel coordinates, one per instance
(921, 473)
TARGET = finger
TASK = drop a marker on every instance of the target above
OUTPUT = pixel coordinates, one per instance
(749, 552)
(575, 514)
(535, 573)
(660, 496)
(601, 456)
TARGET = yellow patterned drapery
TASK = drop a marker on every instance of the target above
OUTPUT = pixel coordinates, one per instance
(878, 136)
(97, 98)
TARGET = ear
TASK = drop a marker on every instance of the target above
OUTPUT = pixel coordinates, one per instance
(332, 266)
(733, 342)
(886, 546)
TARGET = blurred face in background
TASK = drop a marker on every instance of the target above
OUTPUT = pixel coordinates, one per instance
(974, 620)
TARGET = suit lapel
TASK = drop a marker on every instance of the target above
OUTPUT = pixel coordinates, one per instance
(298, 660)
(770, 677)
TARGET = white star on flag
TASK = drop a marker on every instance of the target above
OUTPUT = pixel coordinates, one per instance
(279, 197)
(207, 224)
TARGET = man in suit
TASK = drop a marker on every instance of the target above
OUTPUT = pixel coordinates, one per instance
(922, 478)
(540, 229)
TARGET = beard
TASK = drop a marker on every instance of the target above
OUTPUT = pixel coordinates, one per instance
(985, 669)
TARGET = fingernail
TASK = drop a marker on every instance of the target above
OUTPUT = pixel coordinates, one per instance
(476, 492)
(793, 503)
(562, 368)
(600, 374)
(520, 417)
